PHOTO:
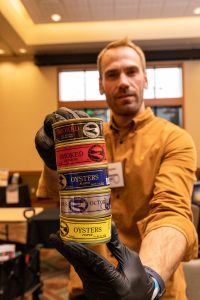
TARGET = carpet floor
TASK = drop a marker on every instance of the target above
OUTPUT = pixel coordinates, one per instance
(54, 269)
(54, 275)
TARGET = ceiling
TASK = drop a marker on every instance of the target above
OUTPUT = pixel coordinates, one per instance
(87, 25)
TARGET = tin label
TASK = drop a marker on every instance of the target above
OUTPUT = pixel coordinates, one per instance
(92, 178)
(79, 130)
(86, 231)
(76, 155)
(85, 204)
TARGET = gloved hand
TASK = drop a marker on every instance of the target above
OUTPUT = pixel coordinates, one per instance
(44, 141)
(101, 280)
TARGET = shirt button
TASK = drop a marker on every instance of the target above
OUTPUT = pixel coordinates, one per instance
(117, 196)
(121, 142)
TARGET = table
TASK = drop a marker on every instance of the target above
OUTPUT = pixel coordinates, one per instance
(16, 215)
(41, 222)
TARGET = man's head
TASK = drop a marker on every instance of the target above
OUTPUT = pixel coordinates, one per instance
(123, 78)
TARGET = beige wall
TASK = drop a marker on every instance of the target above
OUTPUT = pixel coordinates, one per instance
(28, 93)
(192, 102)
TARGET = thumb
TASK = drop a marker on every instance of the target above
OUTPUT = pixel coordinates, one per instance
(49, 120)
(116, 247)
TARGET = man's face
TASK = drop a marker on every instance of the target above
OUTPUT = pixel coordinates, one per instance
(123, 81)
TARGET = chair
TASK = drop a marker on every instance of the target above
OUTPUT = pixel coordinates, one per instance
(192, 268)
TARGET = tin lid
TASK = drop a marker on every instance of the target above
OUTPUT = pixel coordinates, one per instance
(83, 168)
(88, 191)
(80, 142)
(89, 220)
(80, 120)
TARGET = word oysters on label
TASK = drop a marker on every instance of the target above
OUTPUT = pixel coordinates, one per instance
(75, 179)
(87, 231)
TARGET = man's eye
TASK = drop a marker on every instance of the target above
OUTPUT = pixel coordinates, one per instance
(131, 72)
(111, 75)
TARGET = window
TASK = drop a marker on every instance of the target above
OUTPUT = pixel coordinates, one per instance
(79, 86)
(79, 89)
(71, 86)
(103, 113)
(164, 83)
(171, 113)
(92, 86)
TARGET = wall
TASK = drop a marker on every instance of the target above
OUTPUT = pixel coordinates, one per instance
(28, 93)
(192, 102)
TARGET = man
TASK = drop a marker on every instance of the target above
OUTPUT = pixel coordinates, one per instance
(152, 211)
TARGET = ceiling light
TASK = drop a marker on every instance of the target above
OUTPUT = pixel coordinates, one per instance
(196, 11)
(2, 51)
(56, 17)
(22, 50)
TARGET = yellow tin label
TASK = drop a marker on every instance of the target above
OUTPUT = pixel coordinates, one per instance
(84, 230)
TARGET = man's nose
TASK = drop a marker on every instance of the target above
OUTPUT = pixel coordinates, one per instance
(123, 81)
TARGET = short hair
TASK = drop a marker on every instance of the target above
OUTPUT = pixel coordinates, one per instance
(120, 43)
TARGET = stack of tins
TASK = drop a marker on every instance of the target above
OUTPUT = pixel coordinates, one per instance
(85, 210)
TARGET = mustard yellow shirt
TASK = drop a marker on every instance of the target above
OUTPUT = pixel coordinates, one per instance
(159, 164)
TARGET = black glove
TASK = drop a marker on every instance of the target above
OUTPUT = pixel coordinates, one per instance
(101, 280)
(77, 297)
(44, 141)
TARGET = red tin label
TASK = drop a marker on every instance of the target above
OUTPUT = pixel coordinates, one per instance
(77, 155)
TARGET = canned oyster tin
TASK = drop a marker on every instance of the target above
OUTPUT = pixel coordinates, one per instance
(85, 204)
(84, 178)
(92, 231)
(77, 129)
(77, 154)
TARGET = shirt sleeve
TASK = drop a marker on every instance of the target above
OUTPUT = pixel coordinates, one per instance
(171, 202)
(48, 184)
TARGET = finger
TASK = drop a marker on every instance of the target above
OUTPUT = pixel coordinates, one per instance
(60, 114)
(45, 148)
(71, 114)
(67, 113)
(127, 259)
(42, 140)
(82, 258)
(116, 247)
(49, 120)
(81, 114)
(62, 248)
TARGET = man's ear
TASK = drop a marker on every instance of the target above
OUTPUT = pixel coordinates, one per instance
(145, 81)
(101, 90)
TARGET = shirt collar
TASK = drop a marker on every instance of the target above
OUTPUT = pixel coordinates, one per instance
(138, 121)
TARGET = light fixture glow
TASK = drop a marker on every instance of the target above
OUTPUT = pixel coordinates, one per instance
(2, 51)
(22, 50)
(196, 11)
(56, 17)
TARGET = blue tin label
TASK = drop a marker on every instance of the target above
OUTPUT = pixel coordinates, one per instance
(92, 178)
